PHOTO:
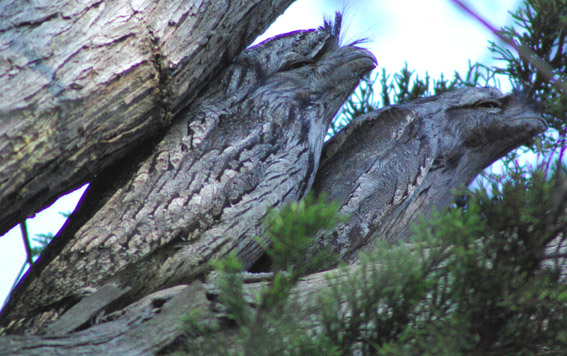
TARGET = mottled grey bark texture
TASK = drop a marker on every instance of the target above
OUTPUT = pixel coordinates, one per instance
(391, 165)
(143, 328)
(251, 142)
(86, 82)
(153, 323)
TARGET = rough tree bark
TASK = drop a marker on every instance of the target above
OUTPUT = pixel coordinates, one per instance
(86, 82)
(251, 142)
(145, 327)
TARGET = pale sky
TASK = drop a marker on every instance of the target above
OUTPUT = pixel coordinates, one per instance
(432, 36)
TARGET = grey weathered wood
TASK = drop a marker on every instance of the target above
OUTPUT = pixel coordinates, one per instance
(152, 324)
(251, 142)
(146, 332)
(87, 309)
(391, 165)
(85, 82)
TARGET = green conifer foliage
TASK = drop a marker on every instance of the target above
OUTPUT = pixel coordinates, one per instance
(540, 70)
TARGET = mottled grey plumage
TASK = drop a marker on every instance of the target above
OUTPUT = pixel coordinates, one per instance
(252, 142)
(390, 165)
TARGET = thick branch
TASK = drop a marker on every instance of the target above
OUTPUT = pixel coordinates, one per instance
(149, 325)
(143, 329)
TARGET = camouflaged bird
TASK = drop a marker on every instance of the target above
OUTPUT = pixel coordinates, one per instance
(250, 143)
(391, 165)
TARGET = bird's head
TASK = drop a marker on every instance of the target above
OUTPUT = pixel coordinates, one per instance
(303, 74)
(479, 120)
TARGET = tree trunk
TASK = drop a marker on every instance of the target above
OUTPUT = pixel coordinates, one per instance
(85, 83)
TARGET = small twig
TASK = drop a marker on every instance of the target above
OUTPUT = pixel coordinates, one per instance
(14, 284)
(26, 238)
(29, 259)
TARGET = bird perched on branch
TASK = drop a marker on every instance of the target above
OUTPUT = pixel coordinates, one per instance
(390, 165)
(251, 142)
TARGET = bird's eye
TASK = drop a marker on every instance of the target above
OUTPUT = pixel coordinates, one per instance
(297, 65)
(488, 104)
